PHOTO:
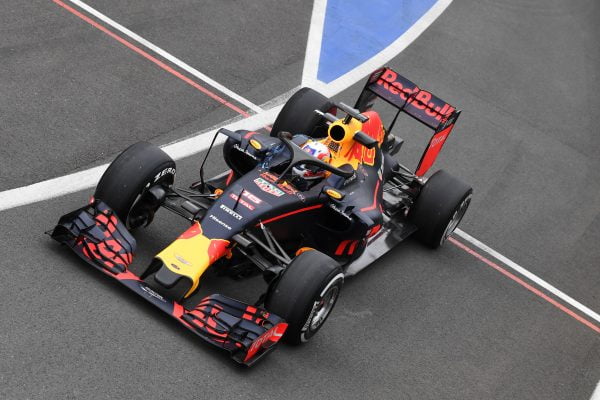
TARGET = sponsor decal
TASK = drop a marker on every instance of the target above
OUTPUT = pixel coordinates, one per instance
(339, 211)
(435, 146)
(268, 187)
(242, 201)
(350, 180)
(264, 338)
(166, 171)
(335, 147)
(182, 260)
(301, 197)
(218, 221)
(152, 293)
(269, 176)
(267, 339)
(438, 140)
(310, 317)
(251, 197)
(231, 212)
(422, 99)
(252, 156)
(286, 187)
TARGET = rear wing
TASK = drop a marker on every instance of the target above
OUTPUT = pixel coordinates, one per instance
(420, 104)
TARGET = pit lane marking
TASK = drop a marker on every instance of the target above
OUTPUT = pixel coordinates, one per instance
(596, 394)
(176, 61)
(315, 39)
(529, 275)
(199, 141)
(88, 178)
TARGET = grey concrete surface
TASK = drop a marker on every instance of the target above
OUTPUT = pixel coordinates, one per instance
(418, 324)
(69, 85)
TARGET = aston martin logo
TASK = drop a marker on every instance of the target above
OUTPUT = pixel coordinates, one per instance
(267, 187)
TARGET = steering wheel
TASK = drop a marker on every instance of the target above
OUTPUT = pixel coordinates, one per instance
(299, 156)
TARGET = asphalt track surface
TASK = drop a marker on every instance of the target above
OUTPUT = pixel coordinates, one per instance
(417, 324)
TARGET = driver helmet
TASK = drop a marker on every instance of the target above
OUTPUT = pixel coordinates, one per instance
(318, 150)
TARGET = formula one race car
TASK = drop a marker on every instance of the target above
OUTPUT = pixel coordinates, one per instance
(316, 200)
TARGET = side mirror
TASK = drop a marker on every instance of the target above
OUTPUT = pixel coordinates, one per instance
(365, 139)
(234, 135)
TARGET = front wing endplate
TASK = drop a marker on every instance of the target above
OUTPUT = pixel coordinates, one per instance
(96, 234)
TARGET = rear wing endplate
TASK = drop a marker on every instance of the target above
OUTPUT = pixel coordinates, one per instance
(420, 104)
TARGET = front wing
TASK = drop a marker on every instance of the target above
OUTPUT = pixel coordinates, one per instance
(97, 235)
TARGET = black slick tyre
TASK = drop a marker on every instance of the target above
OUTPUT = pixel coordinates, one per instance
(439, 208)
(128, 178)
(305, 294)
(298, 114)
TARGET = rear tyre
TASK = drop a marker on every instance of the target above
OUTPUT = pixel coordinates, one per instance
(298, 114)
(125, 184)
(441, 205)
(305, 294)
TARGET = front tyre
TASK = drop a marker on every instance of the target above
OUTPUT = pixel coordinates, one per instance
(439, 208)
(125, 184)
(305, 294)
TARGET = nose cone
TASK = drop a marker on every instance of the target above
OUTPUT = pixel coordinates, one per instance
(190, 255)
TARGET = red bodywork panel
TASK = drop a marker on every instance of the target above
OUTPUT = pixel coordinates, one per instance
(433, 149)
(420, 104)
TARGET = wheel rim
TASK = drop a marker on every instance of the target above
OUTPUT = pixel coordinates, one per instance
(457, 216)
(136, 217)
(322, 307)
(139, 214)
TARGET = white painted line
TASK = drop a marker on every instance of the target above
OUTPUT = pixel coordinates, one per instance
(313, 44)
(78, 181)
(199, 142)
(313, 50)
(168, 56)
(532, 277)
(596, 394)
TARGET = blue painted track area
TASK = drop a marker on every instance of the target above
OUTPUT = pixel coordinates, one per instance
(356, 30)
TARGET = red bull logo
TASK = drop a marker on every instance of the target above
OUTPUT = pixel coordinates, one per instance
(415, 97)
